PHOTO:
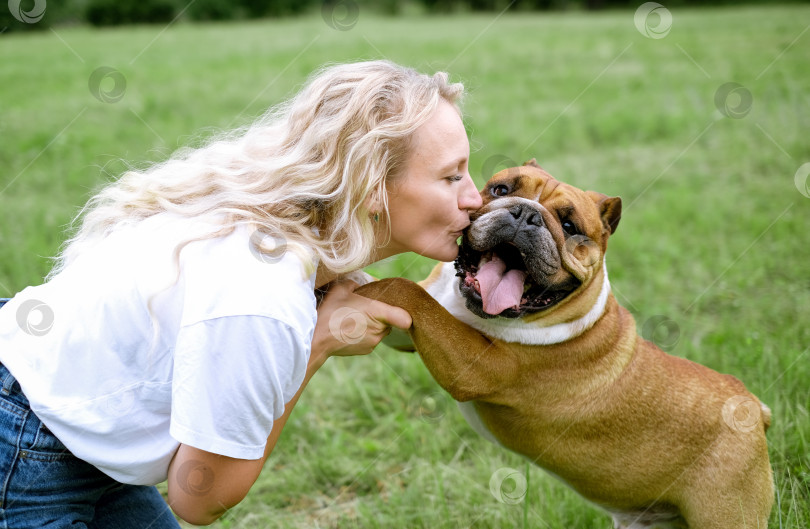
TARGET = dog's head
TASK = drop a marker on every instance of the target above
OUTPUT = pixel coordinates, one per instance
(534, 245)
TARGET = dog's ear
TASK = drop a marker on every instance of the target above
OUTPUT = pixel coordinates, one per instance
(610, 209)
(532, 163)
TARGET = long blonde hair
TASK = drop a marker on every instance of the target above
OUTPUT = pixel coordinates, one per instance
(307, 170)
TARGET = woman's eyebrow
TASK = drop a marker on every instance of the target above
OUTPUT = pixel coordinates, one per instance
(452, 166)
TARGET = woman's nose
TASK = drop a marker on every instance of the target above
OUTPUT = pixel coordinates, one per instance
(470, 198)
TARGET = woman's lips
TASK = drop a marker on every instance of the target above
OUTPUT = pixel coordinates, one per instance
(458, 233)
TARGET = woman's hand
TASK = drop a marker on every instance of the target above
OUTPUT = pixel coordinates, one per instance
(350, 324)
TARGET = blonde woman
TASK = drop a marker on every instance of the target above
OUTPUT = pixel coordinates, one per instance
(180, 324)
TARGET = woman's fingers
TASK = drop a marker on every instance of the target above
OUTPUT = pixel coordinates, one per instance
(392, 316)
(350, 324)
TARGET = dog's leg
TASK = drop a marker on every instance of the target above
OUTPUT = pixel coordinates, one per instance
(467, 364)
(743, 502)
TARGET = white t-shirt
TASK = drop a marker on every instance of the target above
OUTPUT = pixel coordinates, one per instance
(233, 338)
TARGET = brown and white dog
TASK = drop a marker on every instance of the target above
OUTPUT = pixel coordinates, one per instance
(525, 333)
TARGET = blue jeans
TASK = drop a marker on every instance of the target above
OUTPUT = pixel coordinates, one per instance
(44, 486)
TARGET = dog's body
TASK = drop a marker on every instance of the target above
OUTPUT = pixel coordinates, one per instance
(546, 363)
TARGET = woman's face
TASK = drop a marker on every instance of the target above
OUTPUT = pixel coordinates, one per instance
(430, 204)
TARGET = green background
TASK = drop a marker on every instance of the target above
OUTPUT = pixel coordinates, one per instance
(713, 239)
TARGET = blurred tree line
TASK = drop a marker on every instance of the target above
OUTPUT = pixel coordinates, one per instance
(41, 14)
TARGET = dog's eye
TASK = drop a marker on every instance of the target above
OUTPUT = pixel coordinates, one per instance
(570, 228)
(500, 190)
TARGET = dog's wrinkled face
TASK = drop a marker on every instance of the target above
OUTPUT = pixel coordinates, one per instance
(533, 244)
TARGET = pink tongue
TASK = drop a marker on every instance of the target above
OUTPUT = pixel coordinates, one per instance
(499, 291)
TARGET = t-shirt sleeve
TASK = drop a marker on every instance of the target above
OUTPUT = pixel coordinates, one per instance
(232, 377)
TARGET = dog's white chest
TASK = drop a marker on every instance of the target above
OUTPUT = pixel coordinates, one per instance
(470, 415)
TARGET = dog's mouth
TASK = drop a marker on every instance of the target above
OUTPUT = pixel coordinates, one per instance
(497, 282)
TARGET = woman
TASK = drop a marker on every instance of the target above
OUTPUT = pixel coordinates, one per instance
(179, 326)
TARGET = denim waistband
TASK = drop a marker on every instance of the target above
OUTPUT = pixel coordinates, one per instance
(9, 386)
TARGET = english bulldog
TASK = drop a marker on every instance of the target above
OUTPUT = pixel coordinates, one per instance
(524, 332)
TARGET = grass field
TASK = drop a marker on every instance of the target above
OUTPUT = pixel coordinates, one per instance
(714, 237)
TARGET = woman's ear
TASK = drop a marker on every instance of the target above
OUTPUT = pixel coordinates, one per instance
(374, 205)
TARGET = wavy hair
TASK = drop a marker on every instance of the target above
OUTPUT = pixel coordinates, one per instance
(312, 170)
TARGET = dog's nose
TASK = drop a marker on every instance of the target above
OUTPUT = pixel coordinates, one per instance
(525, 214)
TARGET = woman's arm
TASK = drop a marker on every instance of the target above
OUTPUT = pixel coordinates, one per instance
(203, 485)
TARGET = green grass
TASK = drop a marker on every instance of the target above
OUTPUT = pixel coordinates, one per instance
(714, 234)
